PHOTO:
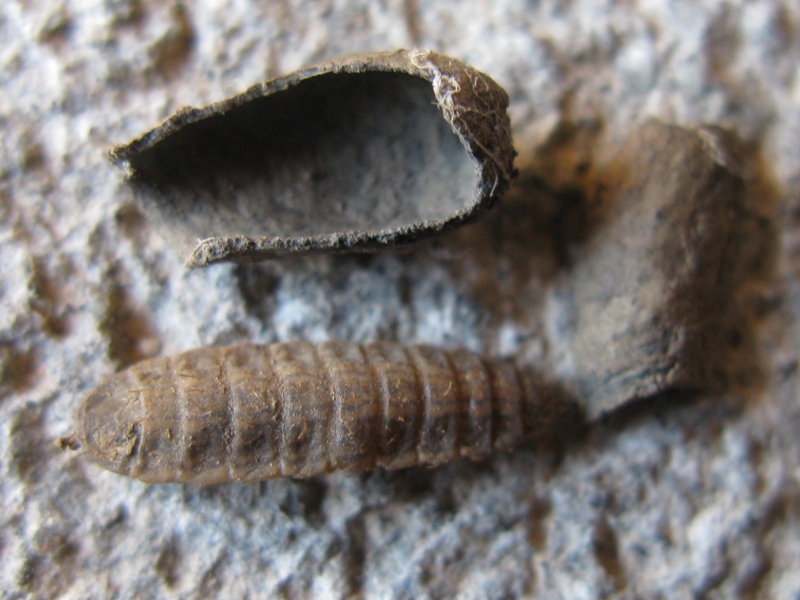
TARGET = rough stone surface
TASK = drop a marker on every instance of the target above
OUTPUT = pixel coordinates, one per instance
(680, 498)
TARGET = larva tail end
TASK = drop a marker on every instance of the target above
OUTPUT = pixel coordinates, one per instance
(68, 442)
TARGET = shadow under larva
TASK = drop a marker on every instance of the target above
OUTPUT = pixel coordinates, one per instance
(250, 412)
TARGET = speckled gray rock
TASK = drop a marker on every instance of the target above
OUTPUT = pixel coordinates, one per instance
(686, 499)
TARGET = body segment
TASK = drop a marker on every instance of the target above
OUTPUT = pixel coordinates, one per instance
(250, 412)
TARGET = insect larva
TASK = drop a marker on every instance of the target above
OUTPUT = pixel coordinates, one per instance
(249, 412)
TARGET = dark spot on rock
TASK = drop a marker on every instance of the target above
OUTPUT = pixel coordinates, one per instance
(443, 483)
(125, 12)
(28, 446)
(723, 40)
(56, 545)
(33, 155)
(17, 370)
(751, 584)
(537, 516)
(413, 483)
(413, 19)
(405, 289)
(131, 337)
(168, 564)
(131, 223)
(28, 576)
(607, 553)
(354, 555)
(170, 53)
(566, 157)
(57, 27)
(257, 284)
(288, 589)
(46, 297)
(304, 499)
(119, 518)
(212, 579)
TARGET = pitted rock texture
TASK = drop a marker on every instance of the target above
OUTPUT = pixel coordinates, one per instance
(681, 498)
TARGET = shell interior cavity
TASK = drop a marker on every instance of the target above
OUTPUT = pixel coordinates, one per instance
(358, 153)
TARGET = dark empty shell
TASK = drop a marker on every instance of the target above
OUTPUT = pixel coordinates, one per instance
(357, 153)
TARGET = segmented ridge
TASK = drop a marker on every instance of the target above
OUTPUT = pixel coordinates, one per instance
(355, 397)
(477, 404)
(328, 431)
(458, 408)
(379, 385)
(229, 423)
(137, 463)
(507, 430)
(282, 410)
(307, 409)
(487, 418)
(200, 452)
(419, 402)
(256, 412)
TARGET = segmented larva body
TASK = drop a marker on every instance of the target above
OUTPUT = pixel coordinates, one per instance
(250, 412)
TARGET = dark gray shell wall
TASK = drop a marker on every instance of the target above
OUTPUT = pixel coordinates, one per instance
(359, 153)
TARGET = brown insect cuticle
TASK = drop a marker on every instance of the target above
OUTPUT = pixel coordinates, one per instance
(297, 409)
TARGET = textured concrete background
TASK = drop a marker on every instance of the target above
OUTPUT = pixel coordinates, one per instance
(676, 498)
